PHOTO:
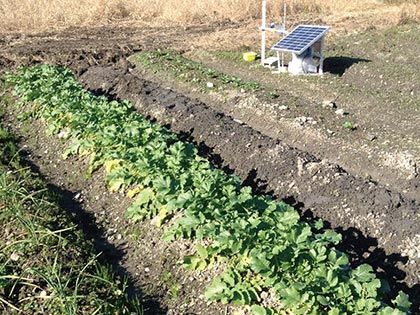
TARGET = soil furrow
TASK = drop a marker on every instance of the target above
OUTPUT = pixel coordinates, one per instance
(377, 223)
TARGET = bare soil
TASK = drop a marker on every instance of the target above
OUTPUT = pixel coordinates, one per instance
(364, 183)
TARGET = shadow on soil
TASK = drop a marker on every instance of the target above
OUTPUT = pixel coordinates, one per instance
(110, 254)
(364, 250)
(359, 248)
(339, 65)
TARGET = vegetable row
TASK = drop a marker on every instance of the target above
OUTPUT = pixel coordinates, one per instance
(267, 249)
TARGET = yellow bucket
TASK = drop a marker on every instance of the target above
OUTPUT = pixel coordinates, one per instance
(249, 56)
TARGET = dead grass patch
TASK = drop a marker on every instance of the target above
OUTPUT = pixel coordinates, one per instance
(35, 16)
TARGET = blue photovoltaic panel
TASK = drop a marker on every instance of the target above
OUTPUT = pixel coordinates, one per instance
(300, 39)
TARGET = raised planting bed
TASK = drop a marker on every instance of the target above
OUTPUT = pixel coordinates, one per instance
(379, 225)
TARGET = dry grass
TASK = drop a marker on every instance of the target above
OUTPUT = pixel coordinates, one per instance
(41, 15)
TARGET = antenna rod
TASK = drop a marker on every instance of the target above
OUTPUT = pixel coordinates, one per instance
(284, 29)
(284, 14)
(263, 23)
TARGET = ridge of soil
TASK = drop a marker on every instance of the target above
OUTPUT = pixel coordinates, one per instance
(378, 222)
(383, 145)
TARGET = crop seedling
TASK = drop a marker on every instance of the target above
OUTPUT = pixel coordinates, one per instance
(183, 69)
(265, 245)
(349, 125)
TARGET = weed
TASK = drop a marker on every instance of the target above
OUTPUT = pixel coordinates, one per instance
(349, 125)
(173, 286)
(274, 94)
(175, 290)
(231, 55)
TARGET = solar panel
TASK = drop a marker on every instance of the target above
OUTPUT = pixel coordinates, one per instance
(301, 38)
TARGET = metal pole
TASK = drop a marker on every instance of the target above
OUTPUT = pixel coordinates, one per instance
(321, 56)
(284, 29)
(263, 23)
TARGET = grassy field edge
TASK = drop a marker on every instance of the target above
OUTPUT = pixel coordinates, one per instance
(46, 264)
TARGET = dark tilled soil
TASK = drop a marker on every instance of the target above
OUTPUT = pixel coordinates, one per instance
(83, 47)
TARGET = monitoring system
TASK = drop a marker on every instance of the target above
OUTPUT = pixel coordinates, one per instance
(305, 43)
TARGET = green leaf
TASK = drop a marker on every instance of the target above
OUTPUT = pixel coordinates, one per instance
(188, 222)
(343, 291)
(168, 235)
(162, 184)
(238, 298)
(193, 262)
(137, 211)
(402, 302)
(323, 300)
(182, 199)
(319, 224)
(236, 246)
(343, 260)
(363, 273)
(332, 237)
(391, 311)
(371, 305)
(334, 311)
(361, 304)
(372, 287)
(303, 236)
(291, 296)
(258, 310)
(357, 286)
(288, 218)
(144, 197)
(202, 251)
(215, 290)
(332, 278)
(259, 262)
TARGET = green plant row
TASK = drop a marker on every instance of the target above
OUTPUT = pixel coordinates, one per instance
(181, 68)
(46, 264)
(267, 248)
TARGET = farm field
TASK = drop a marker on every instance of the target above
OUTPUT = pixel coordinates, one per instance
(342, 149)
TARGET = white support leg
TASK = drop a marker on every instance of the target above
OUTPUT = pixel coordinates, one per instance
(263, 47)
